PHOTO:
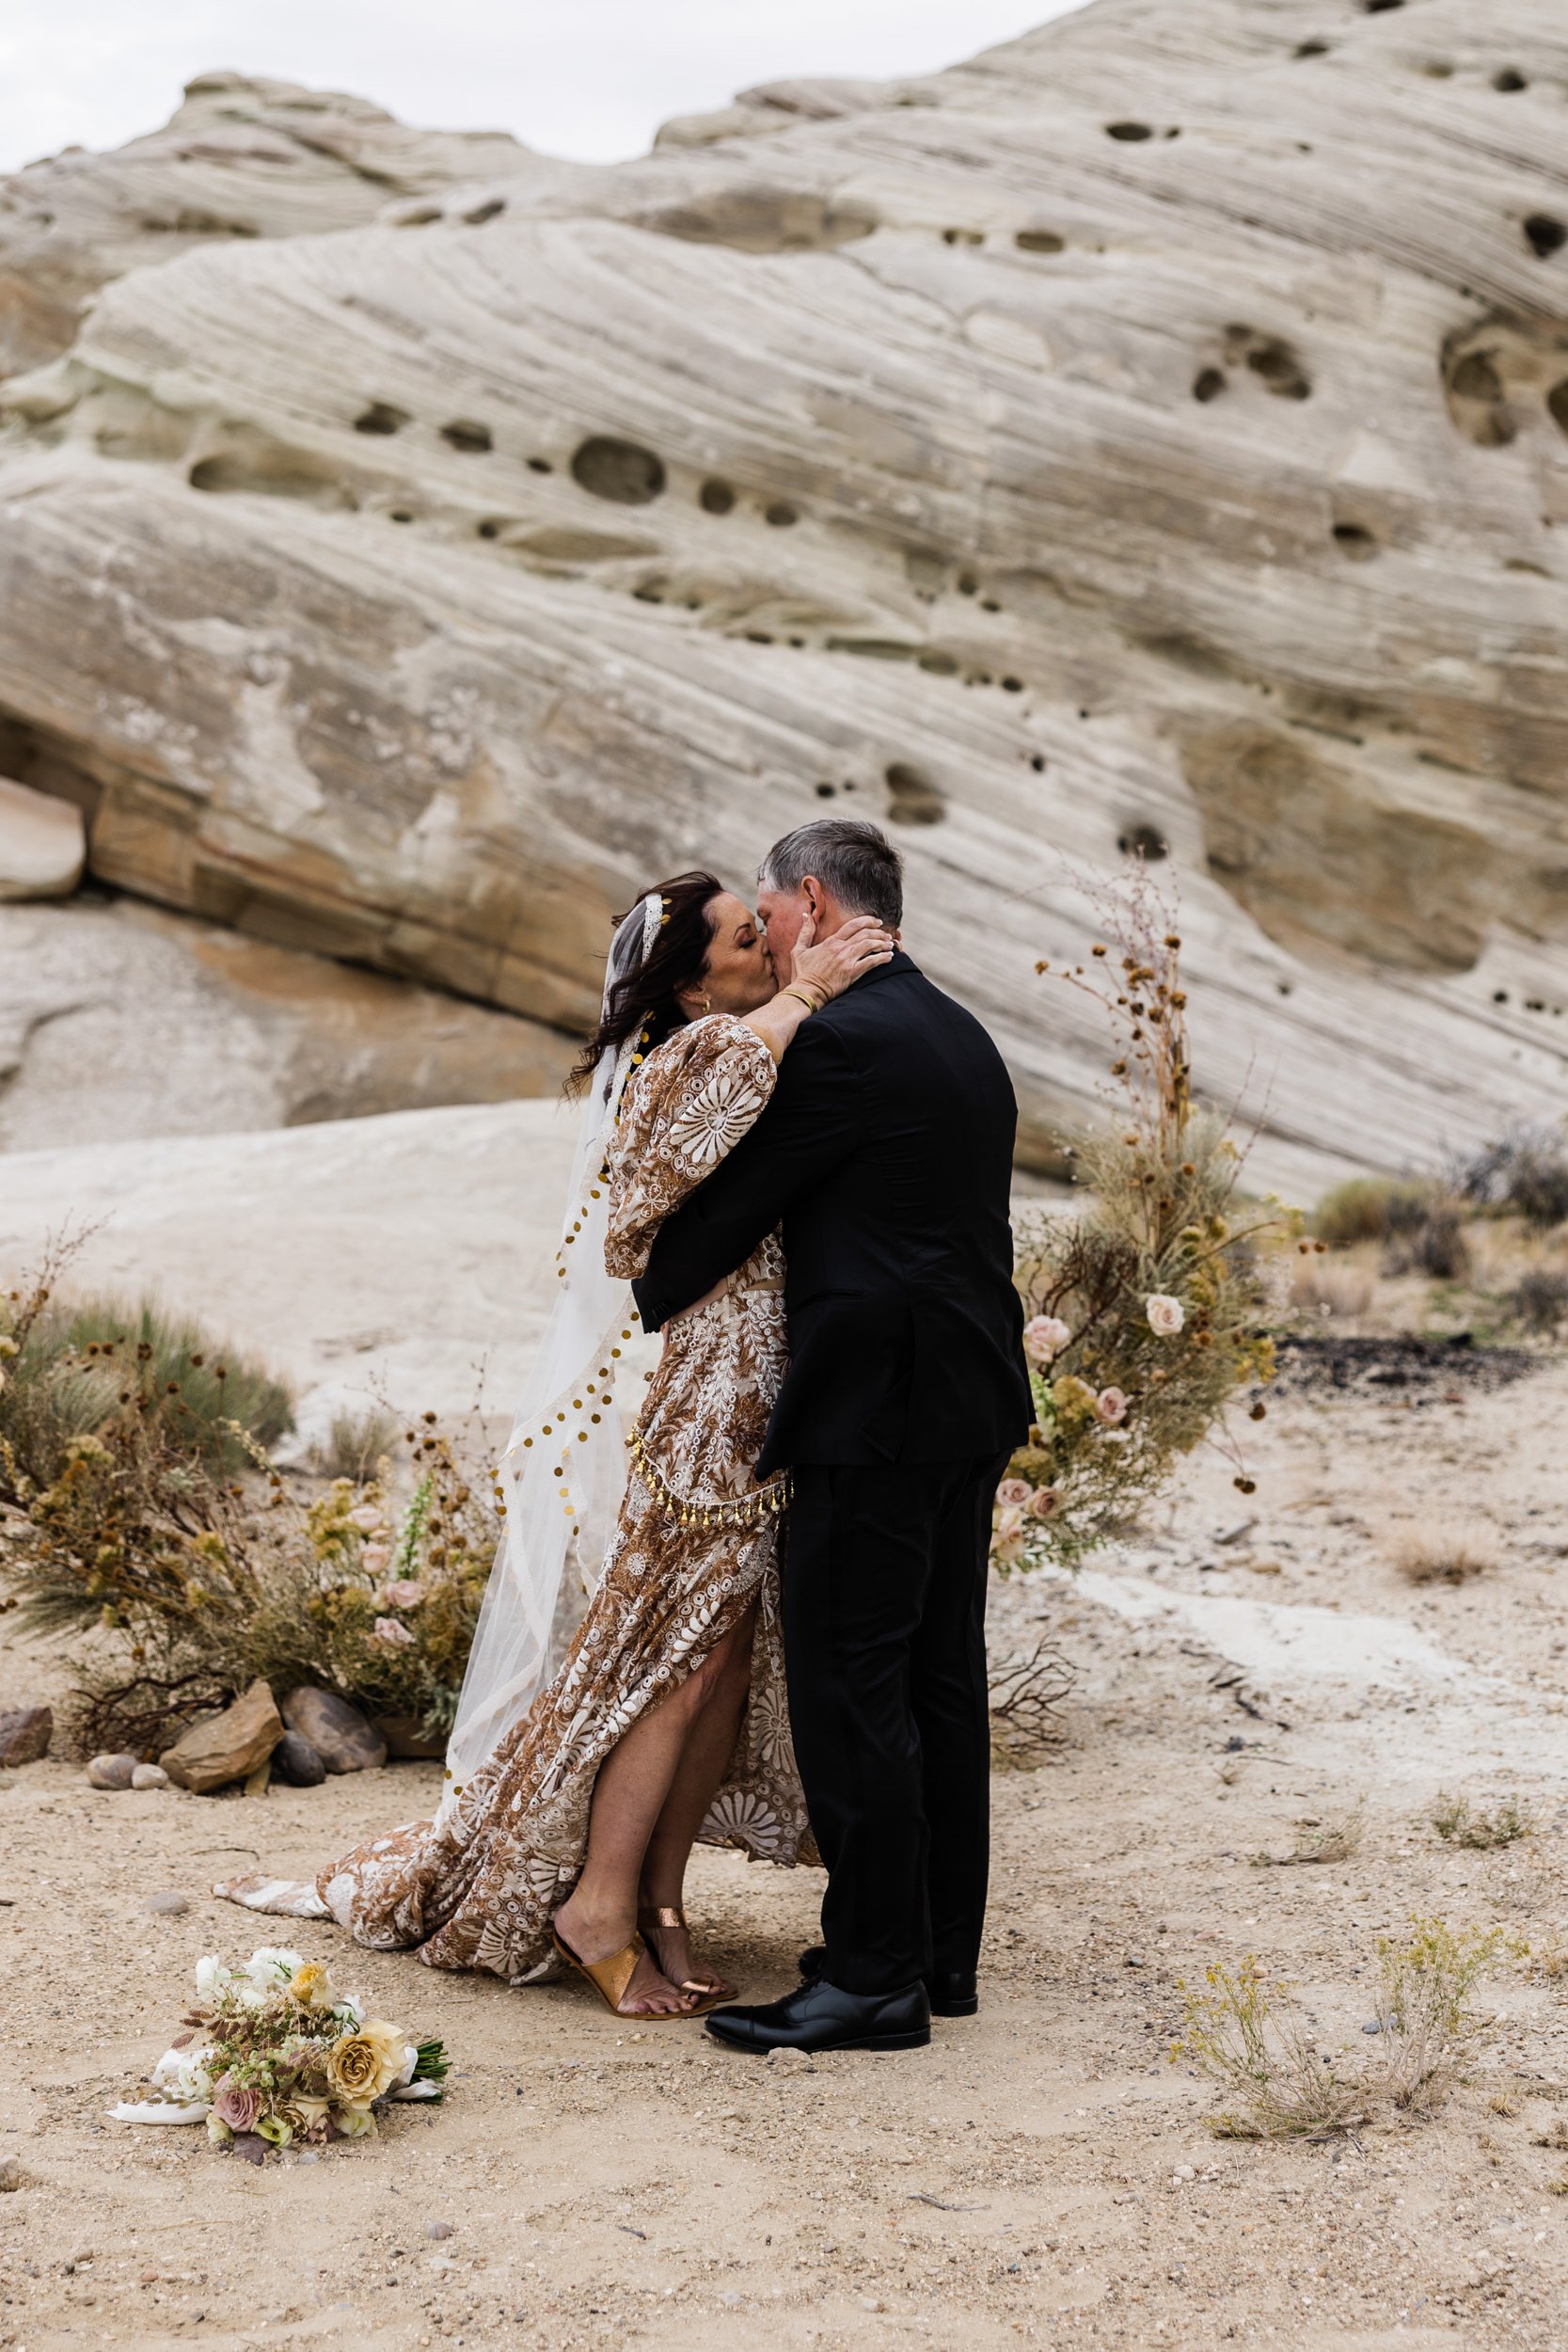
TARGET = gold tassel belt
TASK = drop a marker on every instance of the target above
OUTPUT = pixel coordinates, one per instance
(770, 1502)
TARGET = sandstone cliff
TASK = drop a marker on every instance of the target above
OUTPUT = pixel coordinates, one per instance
(1152, 435)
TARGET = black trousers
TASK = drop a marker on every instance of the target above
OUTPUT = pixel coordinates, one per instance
(884, 1606)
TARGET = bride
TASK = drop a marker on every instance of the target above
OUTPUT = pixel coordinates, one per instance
(577, 1785)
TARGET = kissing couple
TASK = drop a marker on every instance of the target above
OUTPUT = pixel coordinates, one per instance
(794, 1163)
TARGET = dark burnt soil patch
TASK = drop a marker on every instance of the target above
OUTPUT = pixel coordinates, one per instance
(1426, 1370)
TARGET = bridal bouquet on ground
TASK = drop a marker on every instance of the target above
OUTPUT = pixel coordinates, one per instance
(272, 2050)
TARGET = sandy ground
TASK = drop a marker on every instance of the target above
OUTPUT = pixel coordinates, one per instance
(1042, 2172)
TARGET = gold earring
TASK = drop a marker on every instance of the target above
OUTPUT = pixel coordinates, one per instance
(707, 1002)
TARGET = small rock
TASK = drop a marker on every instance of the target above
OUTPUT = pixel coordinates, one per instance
(42, 844)
(168, 1905)
(1372, 2027)
(295, 1762)
(439, 2229)
(250, 2147)
(226, 1747)
(150, 1776)
(112, 1772)
(24, 1734)
(11, 2175)
(1135, 1960)
(338, 1733)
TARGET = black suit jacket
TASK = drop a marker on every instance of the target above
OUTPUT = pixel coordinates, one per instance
(886, 1153)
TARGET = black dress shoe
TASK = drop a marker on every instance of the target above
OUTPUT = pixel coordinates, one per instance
(952, 1990)
(819, 2017)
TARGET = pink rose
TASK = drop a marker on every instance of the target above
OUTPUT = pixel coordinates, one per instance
(1043, 1501)
(406, 1592)
(1111, 1404)
(1044, 1337)
(237, 2105)
(391, 1630)
(1166, 1315)
(373, 1558)
(1012, 1493)
(366, 1515)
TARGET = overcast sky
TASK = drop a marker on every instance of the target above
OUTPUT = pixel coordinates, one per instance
(585, 78)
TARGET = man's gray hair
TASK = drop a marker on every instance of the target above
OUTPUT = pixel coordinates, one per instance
(856, 862)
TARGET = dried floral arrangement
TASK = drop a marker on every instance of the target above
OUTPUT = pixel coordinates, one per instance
(273, 2052)
(1145, 1311)
(139, 1510)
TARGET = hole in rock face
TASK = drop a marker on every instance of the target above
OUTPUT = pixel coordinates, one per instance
(939, 664)
(1037, 763)
(1380, 7)
(540, 465)
(489, 529)
(716, 498)
(465, 435)
(1476, 378)
(1356, 541)
(381, 417)
(913, 798)
(1544, 235)
(1311, 49)
(1556, 405)
(1208, 384)
(1280, 368)
(490, 210)
(621, 472)
(967, 585)
(401, 514)
(1012, 686)
(826, 791)
(963, 236)
(1143, 841)
(1039, 241)
(1509, 79)
(419, 219)
(781, 514)
(1130, 132)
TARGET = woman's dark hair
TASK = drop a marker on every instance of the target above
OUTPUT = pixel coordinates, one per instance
(647, 996)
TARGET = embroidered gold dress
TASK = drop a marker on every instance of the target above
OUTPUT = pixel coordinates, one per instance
(695, 1542)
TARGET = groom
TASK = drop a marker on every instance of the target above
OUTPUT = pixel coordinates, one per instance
(885, 1153)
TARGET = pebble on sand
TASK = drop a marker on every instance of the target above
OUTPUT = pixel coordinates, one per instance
(112, 1772)
(150, 1776)
(167, 1905)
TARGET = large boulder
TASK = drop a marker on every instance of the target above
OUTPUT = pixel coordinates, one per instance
(1018, 456)
(244, 157)
(119, 1019)
(25, 1734)
(341, 1736)
(228, 1746)
(43, 844)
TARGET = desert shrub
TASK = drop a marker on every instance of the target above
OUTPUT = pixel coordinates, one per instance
(1339, 1287)
(1144, 1313)
(1539, 1299)
(1025, 1701)
(1443, 1551)
(1370, 1208)
(1524, 1174)
(1460, 1823)
(186, 1583)
(73, 1367)
(1433, 1245)
(356, 1444)
(1250, 2038)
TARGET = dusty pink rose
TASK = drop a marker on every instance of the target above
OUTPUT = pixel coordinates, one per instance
(366, 1515)
(1012, 1493)
(1043, 1501)
(1044, 1337)
(373, 1558)
(406, 1592)
(1111, 1406)
(1006, 1540)
(391, 1630)
(1166, 1315)
(237, 2105)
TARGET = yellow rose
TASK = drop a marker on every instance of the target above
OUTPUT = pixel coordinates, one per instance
(362, 2065)
(310, 1986)
(354, 2123)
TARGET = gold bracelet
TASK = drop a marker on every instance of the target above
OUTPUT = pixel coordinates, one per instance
(801, 998)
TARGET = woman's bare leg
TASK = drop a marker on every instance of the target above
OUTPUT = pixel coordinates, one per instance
(634, 1781)
(705, 1760)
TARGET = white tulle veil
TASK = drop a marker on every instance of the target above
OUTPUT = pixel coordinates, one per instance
(564, 1468)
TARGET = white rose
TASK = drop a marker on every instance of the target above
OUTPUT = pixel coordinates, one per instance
(1166, 1315)
(210, 1976)
(410, 2059)
(271, 1966)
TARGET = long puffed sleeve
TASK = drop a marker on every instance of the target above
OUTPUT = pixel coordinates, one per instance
(683, 1113)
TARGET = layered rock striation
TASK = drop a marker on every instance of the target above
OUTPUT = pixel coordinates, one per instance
(1149, 439)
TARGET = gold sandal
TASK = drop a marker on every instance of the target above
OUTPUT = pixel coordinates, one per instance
(672, 1916)
(611, 1976)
